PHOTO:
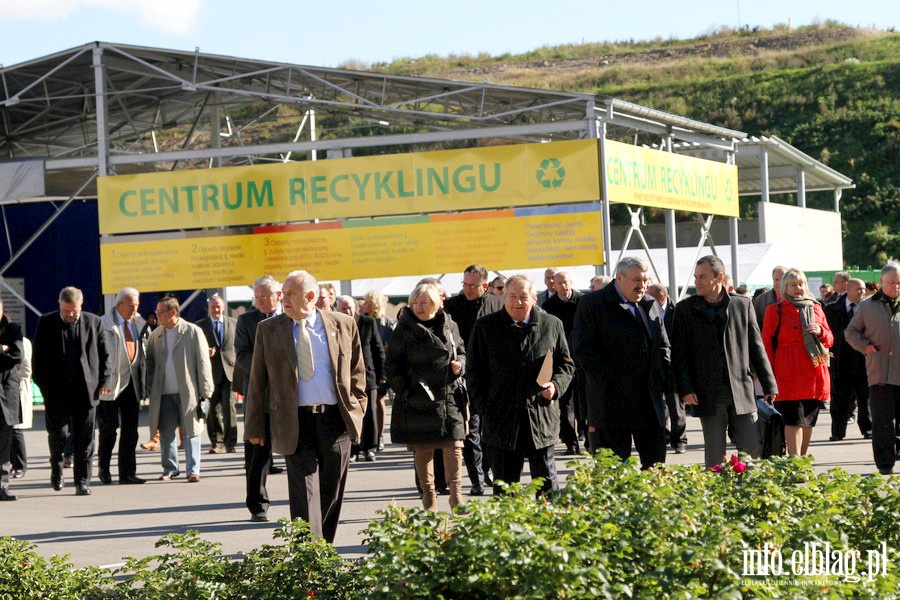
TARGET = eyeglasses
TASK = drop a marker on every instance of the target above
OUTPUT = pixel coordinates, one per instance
(498, 287)
(162, 312)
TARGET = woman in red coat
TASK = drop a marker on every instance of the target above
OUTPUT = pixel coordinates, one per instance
(797, 339)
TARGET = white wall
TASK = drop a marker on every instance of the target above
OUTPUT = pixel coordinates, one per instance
(810, 238)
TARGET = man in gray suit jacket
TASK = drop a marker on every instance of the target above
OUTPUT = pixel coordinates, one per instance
(221, 423)
(761, 302)
(122, 328)
(308, 369)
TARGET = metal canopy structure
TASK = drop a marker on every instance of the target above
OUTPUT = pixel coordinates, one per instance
(105, 108)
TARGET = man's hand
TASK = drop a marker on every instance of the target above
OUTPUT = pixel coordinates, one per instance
(770, 397)
(548, 391)
(871, 349)
(212, 351)
(257, 441)
(105, 391)
(690, 399)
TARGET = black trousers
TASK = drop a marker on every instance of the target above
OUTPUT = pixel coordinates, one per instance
(221, 422)
(568, 433)
(845, 391)
(473, 456)
(19, 454)
(6, 437)
(108, 413)
(677, 420)
(83, 418)
(370, 425)
(507, 466)
(257, 462)
(884, 402)
(317, 471)
(650, 443)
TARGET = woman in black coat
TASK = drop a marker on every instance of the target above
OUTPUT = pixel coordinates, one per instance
(424, 365)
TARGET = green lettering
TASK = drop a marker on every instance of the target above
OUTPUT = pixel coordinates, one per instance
(147, 201)
(297, 189)
(124, 209)
(210, 195)
(334, 191)
(166, 198)
(255, 195)
(189, 190)
(318, 189)
(482, 176)
(238, 195)
(403, 193)
(441, 179)
(464, 184)
(361, 185)
(419, 182)
(382, 183)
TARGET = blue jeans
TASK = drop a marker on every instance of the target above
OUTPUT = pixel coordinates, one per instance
(169, 419)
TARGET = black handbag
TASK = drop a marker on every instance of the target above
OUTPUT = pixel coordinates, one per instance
(770, 424)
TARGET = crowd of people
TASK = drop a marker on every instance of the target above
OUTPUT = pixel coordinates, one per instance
(480, 381)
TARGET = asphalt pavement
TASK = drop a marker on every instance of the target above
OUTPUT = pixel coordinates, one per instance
(127, 520)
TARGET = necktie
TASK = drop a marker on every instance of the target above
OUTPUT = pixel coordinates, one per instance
(520, 324)
(304, 353)
(130, 346)
(218, 331)
(852, 310)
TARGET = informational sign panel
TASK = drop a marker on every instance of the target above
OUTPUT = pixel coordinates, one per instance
(508, 239)
(395, 184)
(648, 177)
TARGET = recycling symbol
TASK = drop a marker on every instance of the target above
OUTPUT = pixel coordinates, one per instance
(551, 173)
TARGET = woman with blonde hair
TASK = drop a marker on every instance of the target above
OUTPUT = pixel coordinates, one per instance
(424, 366)
(797, 338)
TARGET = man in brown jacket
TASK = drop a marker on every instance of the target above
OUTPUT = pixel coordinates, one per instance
(874, 330)
(308, 368)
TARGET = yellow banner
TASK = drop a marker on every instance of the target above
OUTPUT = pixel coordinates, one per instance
(647, 177)
(424, 182)
(448, 243)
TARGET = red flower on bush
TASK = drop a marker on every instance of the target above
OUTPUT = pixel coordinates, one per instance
(736, 464)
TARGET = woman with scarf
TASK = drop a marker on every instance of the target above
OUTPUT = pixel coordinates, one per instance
(797, 338)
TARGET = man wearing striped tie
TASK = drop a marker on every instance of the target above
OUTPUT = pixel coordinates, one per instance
(122, 326)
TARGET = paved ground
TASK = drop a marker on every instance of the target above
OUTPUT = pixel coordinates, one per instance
(118, 521)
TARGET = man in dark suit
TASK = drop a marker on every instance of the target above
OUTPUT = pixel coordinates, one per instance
(621, 345)
(257, 458)
(221, 422)
(562, 305)
(11, 352)
(308, 368)
(122, 327)
(715, 342)
(518, 401)
(71, 366)
(849, 382)
(373, 358)
(677, 416)
(465, 309)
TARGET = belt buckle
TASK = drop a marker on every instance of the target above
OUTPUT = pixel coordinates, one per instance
(318, 409)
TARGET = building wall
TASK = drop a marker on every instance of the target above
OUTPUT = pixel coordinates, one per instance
(811, 237)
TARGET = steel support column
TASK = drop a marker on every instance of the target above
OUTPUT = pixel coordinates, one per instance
(670, 238)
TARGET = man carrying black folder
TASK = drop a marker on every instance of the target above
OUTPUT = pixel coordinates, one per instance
(518, 366)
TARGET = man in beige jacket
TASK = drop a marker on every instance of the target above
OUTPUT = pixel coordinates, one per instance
(308, 369)
(179, 378)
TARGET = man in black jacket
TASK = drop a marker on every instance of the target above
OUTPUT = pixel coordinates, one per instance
(676, 432)
(715, 342)
(562, 305)
(465, 309)
(11, 352)
(257, 459)
(71, 366)
(849, 382)
(373, 358)
(620, 344)
(517, 399)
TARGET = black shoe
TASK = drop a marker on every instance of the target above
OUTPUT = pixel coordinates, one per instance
(571, 450)
(380, 446)
(680, 448)
(104, 477)
(867, 435)
(476, 490)
(259, 517)
(18, 473)
(82, 489)
(67, 462)
(130, 479)
(5, 496)
(370, 456)
(835, 438)
(56, 483)
(275, 470)
(886, 471)
(851, 420)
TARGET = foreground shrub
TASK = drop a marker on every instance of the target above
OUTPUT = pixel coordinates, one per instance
(614, 532)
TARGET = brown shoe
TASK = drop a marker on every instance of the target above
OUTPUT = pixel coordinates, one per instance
(216, 450)
(193, 478)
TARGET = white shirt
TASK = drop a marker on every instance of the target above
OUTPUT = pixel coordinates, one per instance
(320, 387)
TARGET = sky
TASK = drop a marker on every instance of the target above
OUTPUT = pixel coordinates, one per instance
(329, 34)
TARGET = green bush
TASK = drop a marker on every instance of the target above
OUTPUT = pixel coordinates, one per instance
(613, 532)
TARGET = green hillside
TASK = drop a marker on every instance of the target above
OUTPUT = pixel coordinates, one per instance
(830, 90)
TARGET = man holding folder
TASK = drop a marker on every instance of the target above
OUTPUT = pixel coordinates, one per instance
(518, 366)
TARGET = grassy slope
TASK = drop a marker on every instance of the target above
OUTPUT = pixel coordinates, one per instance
(831, 91)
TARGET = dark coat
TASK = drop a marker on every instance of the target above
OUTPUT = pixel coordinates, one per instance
(48, 361)
(417, 362)
(373, 350)
(465, 312)
(10, 359)
(564, 310)
(244, 337)
(846, 362)
(504, 363)
(697, 355)
(625, 367)
(223, 360)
